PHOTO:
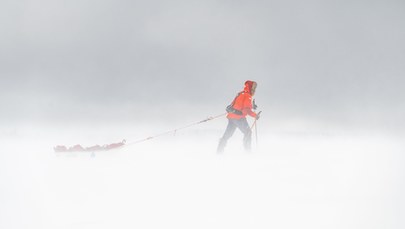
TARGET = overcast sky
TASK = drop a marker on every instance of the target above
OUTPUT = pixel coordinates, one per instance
(335, 61)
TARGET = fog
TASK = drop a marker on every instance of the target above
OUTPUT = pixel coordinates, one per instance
(179, 181)
(328, 149)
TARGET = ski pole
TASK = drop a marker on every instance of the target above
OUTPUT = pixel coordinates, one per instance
(254, 125)
(257, 142)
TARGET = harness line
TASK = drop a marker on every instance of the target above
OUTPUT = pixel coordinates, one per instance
(174, 131)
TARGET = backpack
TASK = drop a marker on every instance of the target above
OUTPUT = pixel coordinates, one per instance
(230, 108)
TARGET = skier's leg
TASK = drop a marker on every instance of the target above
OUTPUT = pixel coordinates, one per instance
(243, 125)
(230, 129)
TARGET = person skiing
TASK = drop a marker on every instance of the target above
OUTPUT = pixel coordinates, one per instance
(241, 106)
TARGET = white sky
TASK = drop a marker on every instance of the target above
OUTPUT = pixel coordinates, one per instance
(318, 61)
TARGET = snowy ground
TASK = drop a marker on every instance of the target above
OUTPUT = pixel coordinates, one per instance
(290, 181)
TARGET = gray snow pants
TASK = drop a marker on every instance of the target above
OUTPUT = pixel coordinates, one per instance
(243, 126)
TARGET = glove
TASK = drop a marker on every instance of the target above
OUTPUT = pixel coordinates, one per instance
(258, 115)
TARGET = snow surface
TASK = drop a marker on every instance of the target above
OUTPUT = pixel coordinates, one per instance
(288, 181)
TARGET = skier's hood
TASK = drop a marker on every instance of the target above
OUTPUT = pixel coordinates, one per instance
(248, 86)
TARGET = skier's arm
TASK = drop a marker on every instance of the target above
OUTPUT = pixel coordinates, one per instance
(247, 107)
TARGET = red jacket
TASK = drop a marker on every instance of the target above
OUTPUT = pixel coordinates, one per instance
(243, 103)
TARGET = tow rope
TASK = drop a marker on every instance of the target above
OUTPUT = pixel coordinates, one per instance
(174, 130)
